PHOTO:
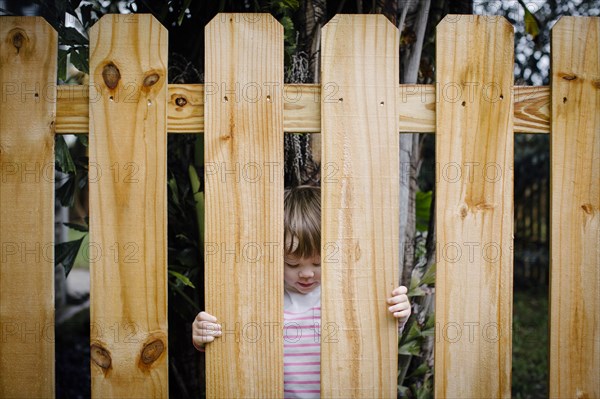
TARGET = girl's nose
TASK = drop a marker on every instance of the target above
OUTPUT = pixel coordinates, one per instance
(306, 273)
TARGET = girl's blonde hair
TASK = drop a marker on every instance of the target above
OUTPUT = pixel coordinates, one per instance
(302, 221)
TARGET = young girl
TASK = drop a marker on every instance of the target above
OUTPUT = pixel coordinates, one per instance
(302, 296)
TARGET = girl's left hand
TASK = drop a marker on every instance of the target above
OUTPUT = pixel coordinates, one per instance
(400, 305)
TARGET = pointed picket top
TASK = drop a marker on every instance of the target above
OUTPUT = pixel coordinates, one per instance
(451, 19)
(245, 19)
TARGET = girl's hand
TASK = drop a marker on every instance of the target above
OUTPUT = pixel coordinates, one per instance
(204, 330)
(400, 305)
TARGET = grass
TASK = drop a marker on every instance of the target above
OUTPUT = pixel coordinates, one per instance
(530, 344)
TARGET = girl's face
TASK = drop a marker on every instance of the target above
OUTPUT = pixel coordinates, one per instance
(302, 275)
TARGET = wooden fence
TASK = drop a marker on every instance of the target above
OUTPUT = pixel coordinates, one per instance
(244, 108)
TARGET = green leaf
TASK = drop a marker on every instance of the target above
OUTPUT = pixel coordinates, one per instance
(66, 253)
(414, 333)
(416, 291)
(64, 162)
(410, 348)
(292, 4)
(174, 191)
(403, 391)
(428, 333)
(62, 64)
(66, 192)
(182, 278)
(186, 5)
(79, 59)
(72, 36)
(77, 227)
(422, 209)
(194, 180)
(288, 28)
(199, 199)
(83, 139)
(532, 25)
(429, 276)
(430, 323)
(425, 391)
(420, 371)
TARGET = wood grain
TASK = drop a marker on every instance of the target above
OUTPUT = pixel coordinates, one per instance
(302, 108)
(575, 209)
(28, 54)
(474, 182)
(360, 191)
(244, 205)
(532, 109)
(128, 218)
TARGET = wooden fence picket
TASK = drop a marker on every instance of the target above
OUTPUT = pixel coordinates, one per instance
(575, 209)
(128, 207)
(360, 245)
(28, 54)
(244, 204)
(474, 207)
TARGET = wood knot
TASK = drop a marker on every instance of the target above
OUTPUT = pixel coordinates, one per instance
(152, 351)
(111, 75)
(17, 41)
(588, 208)
(18, 38)
(151, 79)
(567, 76)
(596, 83)
(464, 211)
(180, 101)
(100, 356)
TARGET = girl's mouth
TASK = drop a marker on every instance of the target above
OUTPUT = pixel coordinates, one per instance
(305, 285)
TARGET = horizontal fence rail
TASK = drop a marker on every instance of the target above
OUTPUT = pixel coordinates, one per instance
(128, 108)
(302, 107)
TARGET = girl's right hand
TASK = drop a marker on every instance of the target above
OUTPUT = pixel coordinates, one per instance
(204, 330)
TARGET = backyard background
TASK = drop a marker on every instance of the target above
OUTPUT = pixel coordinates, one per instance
(185, 20)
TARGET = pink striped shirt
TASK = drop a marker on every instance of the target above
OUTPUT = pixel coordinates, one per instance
(302, 345)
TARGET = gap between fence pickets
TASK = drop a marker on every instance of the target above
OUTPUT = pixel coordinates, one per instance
(302, 108)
